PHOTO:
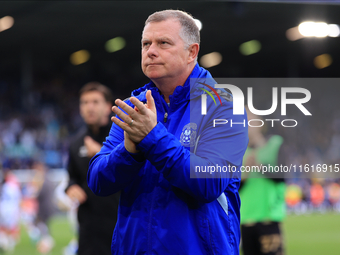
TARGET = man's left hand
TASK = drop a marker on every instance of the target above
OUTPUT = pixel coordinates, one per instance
(138, 122)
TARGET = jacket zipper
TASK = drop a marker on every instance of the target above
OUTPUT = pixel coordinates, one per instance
(165, 117)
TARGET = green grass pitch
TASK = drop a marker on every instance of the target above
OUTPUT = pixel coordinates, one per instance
(314, 234)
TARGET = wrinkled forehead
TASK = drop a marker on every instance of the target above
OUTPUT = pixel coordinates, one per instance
(170, 27)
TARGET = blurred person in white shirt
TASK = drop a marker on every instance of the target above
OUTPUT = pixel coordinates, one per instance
(10, 199)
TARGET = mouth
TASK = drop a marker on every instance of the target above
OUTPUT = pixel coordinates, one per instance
(154, 64)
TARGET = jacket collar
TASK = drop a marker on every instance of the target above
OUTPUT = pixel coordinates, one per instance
(181, 93)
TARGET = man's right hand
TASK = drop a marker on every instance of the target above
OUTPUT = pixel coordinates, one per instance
(76, 193)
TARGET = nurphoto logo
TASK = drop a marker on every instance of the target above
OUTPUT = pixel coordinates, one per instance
(238, 104)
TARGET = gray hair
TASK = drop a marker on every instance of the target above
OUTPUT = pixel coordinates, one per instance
(189, 31)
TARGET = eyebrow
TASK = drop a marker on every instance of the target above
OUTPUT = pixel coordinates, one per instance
(158, 39)
(164, 39)
(145, 40)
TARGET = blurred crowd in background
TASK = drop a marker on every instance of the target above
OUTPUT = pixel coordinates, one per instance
(37, 125)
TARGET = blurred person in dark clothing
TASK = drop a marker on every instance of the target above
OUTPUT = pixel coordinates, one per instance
(45, 194)
(45, 190)
(97, 216)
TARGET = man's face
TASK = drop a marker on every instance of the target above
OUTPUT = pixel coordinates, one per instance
(93, 108)
(163, 50)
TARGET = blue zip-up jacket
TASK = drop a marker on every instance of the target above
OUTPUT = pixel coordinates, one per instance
(163, 208)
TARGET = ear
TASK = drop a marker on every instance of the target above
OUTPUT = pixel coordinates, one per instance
(193, 52)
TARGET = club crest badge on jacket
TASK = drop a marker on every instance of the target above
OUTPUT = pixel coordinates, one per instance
(188, 135)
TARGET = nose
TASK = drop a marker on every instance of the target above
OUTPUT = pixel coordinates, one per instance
(152, 51)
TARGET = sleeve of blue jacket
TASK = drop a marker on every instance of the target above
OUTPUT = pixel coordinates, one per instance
(222, 146)
(113, 168)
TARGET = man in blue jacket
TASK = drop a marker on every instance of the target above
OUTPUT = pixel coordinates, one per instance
(160, 146)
